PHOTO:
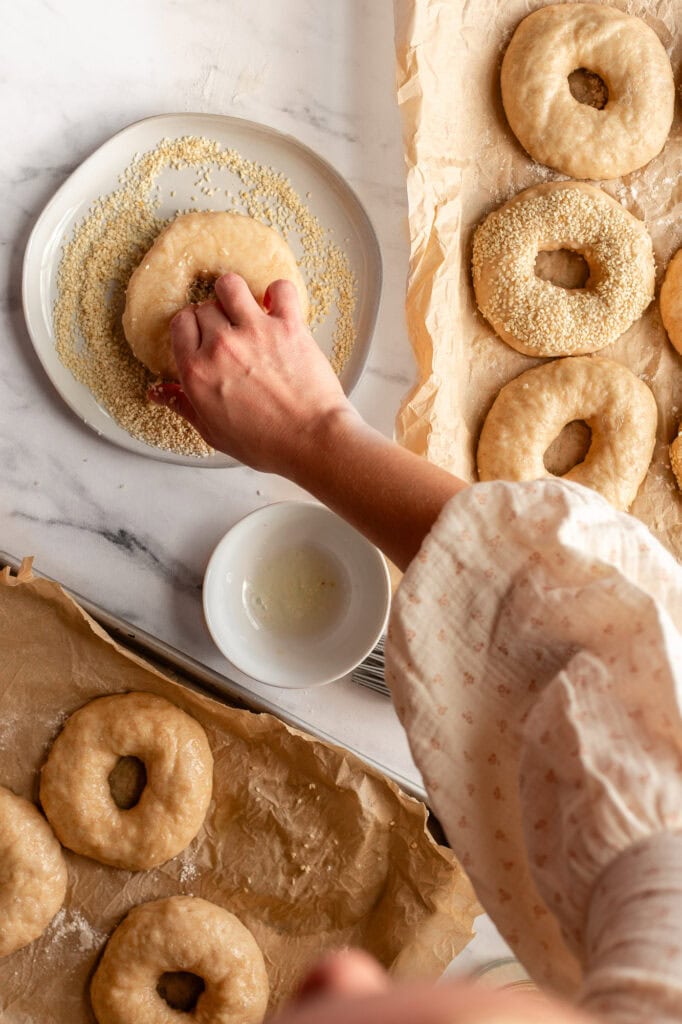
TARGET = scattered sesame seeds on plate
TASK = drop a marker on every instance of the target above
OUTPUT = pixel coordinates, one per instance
(96, 228)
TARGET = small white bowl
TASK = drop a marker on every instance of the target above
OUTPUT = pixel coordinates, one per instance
(268, 603)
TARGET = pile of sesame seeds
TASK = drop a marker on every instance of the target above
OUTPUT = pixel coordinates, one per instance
(547, 320)
(108, 244)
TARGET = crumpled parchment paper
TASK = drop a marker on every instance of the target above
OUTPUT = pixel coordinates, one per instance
(462, 162)
(307, 845)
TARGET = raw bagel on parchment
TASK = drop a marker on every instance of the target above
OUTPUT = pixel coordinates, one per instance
(76, 794)
(671, 315)
(532, 410)
(577, 138)
(180, 934)
(33, 873)
(671, 301)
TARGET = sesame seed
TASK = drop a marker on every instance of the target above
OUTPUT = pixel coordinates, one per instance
(542, 318)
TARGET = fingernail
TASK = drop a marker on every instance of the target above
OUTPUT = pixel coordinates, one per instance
(160, 391)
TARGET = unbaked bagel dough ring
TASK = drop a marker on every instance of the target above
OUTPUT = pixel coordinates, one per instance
(671, 315)
(671, 301)
(532, 410)
(75, 791)
(558, 130)
(33, 873)
(537, 317)
(182, 933)
(675, 451)
(196, 246)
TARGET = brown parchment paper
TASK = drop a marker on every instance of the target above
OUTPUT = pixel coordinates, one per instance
(307, 845)
(462, 162)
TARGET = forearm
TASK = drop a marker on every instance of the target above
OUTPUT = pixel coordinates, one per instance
(389, 494)
(256, 386)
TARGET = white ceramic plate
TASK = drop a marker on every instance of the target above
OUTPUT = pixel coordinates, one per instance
(331, 200)
(295, 660)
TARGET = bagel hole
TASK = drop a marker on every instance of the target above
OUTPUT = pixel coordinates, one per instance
(202, 288)
(569, 448)
(127, 779)
(180, 989)
(564, 268)
(587, 87)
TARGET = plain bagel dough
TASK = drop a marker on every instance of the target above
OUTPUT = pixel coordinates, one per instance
(574, 137)
(537, 317)
(74, 784)
(33, 873)
(671, 314)
(671, 301)
(532, 410)
(182, 933)
(199, 245)
(676, 459)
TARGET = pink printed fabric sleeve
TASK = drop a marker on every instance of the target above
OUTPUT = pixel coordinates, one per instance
(535, 660)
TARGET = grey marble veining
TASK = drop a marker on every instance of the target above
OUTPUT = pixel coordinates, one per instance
(131, 533)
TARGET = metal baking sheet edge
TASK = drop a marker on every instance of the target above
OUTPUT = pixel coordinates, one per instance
(192, 673)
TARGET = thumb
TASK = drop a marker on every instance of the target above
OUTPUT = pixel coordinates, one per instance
(173, 397)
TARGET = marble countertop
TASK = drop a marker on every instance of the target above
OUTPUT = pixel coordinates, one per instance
(130, 533)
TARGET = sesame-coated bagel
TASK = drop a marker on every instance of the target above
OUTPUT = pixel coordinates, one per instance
(532, 410)
(537, 317)
(77, 798)
(180, 934)
(574, 137)
(199, 246)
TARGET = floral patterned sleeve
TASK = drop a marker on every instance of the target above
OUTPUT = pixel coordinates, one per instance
(535, 659)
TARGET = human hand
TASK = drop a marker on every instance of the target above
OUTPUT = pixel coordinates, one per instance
(253, 383)
(351, 988)
(256, 386)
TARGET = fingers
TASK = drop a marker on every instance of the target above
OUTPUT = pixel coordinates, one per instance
(211, 320)
(281, 299)
(172, 396)
(234, 296)
(185, 336)
(350, 972)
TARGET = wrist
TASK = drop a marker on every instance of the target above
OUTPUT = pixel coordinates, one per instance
(333, 433)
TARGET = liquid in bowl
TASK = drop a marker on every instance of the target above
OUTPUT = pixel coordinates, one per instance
(298, 591)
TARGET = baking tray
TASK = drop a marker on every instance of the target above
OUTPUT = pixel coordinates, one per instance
(196, 676)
